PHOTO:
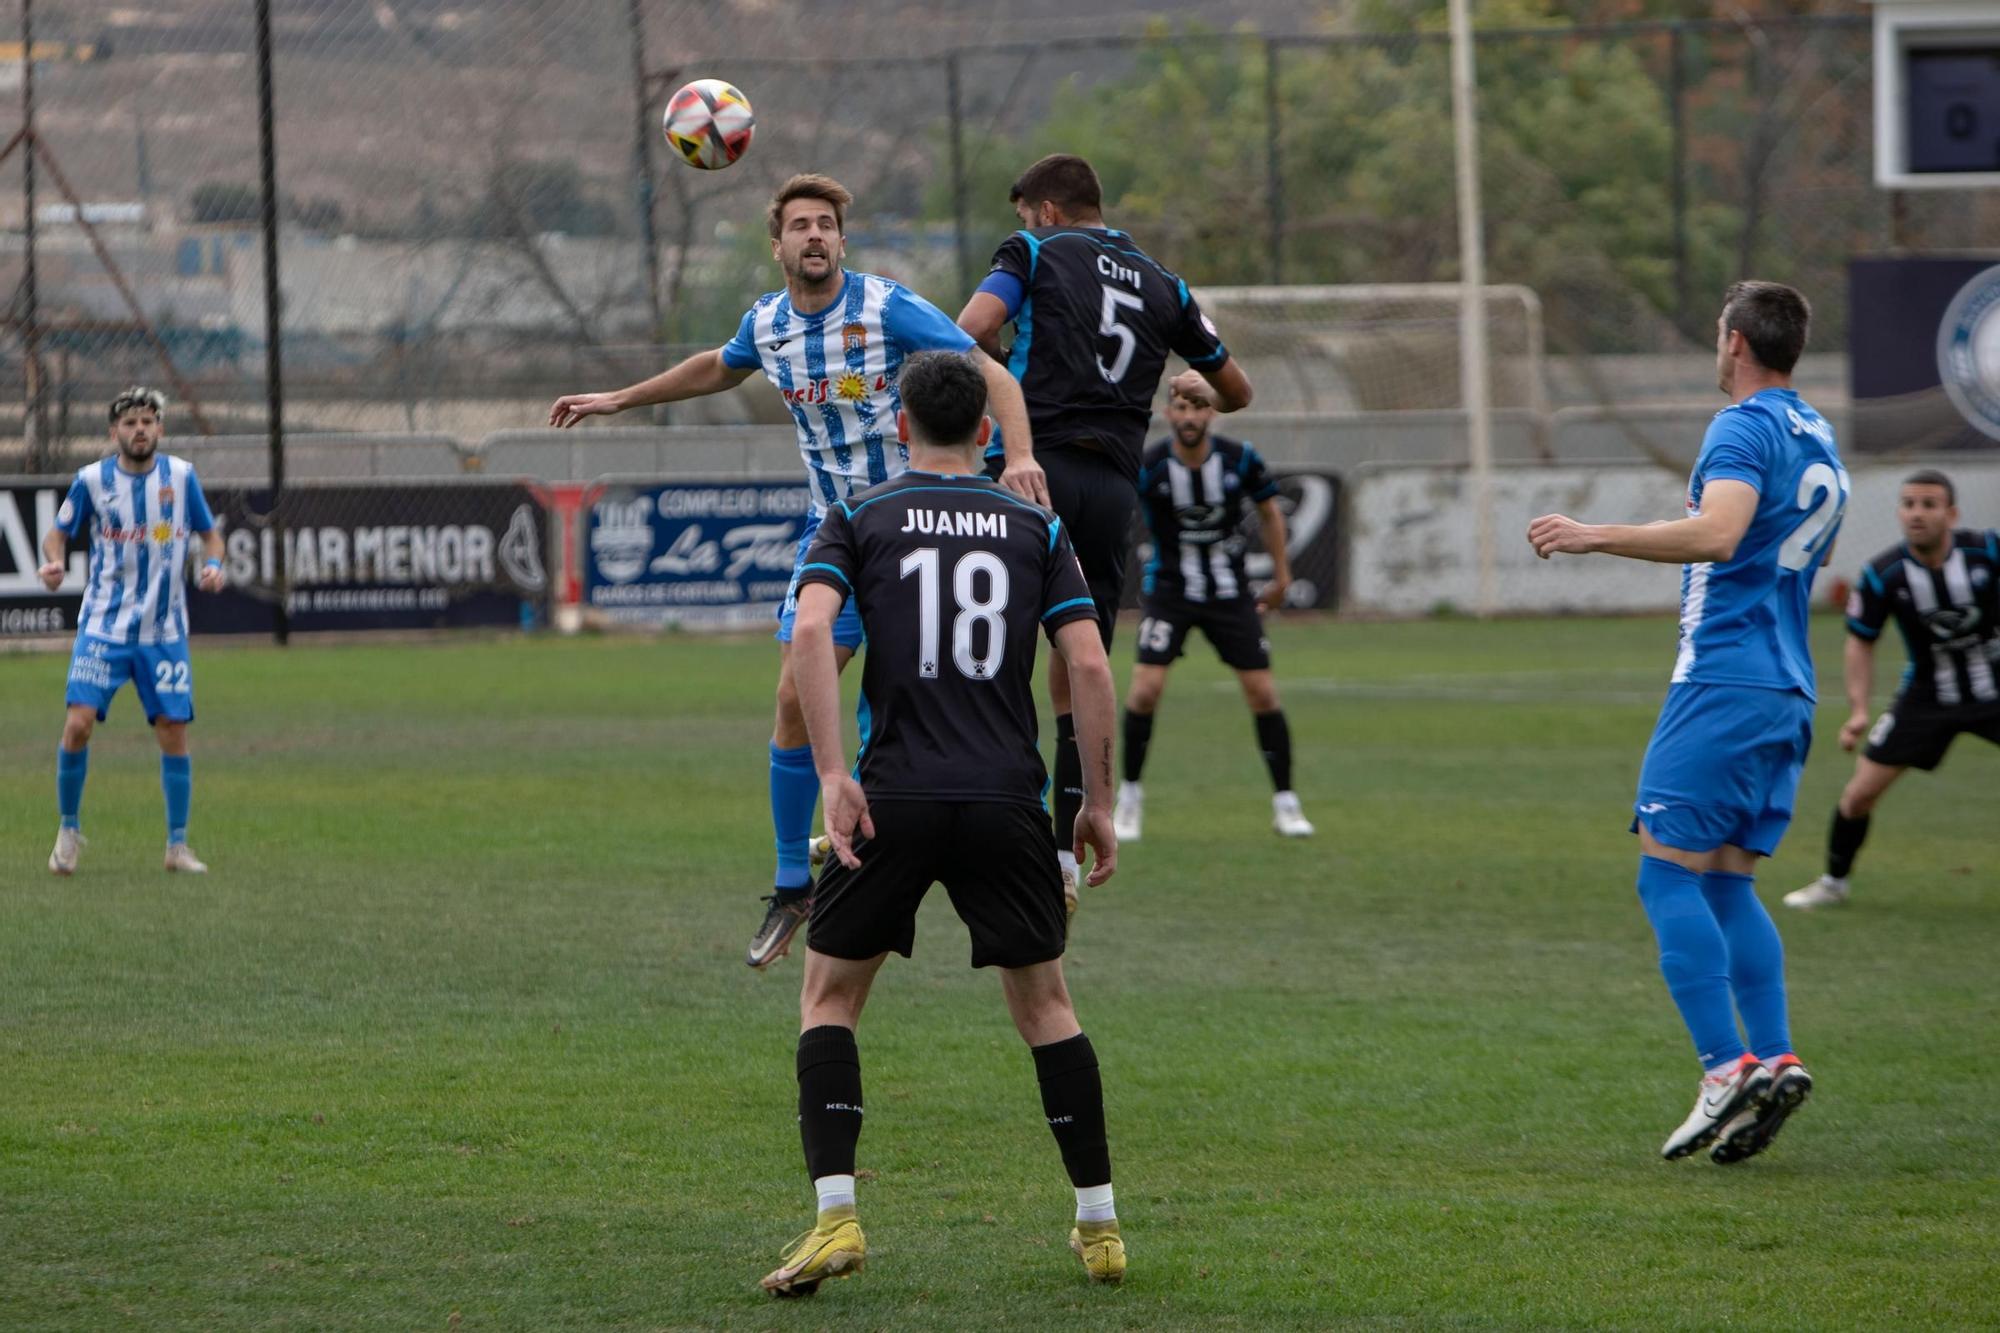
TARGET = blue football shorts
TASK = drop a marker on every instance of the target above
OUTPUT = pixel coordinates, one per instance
(99, 668)
(846, 626)
(1723, 767)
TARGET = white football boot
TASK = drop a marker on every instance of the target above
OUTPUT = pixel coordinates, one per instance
(69, 845)
(1826, 891)
(180, 859)
(1287, 818)
(1129, 812)
(1724, 1092)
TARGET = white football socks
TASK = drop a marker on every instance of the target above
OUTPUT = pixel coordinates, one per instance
(1093, 1203)
(834, 1191)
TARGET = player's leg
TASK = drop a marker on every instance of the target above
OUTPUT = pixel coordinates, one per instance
(998, 876)
(1161, 637)
(97, 670)
(1696, 795)
(1757, 979)
(1095, 502)
(1847, 832)
(72, 767)
(166, 689)
(1756, 953)
(858, 917)
(794, 789)
(1238, 635)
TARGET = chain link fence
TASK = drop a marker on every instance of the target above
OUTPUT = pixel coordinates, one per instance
(477, 212)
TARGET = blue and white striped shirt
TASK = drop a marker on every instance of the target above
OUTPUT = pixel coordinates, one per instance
(139, 530)
(837, 369)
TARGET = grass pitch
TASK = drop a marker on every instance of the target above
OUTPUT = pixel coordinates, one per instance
(457, 1032)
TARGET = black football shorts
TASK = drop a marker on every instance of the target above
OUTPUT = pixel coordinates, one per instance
(1232, 626)
(1914, 734)
(996, 859)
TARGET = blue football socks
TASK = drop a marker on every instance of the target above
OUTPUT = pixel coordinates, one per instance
(72, 766)
(177, 781)
(1693, 957)
(794, 794)
(1756, 960)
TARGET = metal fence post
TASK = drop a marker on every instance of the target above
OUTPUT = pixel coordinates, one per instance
(955, 100)
(1273, 173)
(274, 374)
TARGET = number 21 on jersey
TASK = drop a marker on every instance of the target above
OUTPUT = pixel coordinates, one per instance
(973, 610)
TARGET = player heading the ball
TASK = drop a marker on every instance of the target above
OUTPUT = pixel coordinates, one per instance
(832, 342)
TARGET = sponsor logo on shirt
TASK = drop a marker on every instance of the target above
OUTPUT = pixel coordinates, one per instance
(849, 387)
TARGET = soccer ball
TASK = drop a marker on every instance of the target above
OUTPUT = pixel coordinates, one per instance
(709, 123)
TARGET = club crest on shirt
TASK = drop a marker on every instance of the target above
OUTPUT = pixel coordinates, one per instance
(854, 337)
(166, 495)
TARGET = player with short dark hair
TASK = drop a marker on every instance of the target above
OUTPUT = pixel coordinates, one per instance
(1094, 319)
(955, 578)
(139, 506)
(1721, 773)
(833, 343)
(1942, 588)
(1195, 491)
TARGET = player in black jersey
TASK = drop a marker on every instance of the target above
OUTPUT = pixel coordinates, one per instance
(955, 578)
(1094, 319)
(1195, 491)
(1942, 588)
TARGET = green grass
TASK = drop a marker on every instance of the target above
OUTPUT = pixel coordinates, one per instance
(458, 1028)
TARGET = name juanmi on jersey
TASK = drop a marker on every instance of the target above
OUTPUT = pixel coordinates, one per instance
(946, 523)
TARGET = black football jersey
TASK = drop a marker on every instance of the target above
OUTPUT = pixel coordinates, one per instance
(954, 577)
(1092, 335)
(1949, 617)
(1195, 516)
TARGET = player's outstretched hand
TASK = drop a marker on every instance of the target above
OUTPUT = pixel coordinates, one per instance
(1028, 481)
(1093, 831)
(846, 810)
(1852, 730)
(1273, 595)
(52, 575)
(1557, 533)
(574, 407)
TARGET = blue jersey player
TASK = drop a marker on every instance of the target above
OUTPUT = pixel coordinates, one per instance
(832, 342)
(140, 508)
(1716, 788)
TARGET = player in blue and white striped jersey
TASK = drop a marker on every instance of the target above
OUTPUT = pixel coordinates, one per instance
(141, 507)
(832, 342)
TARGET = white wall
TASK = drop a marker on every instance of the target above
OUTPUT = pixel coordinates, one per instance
(1411, 545)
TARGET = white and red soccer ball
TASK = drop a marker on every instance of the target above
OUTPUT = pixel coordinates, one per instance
(709, 123)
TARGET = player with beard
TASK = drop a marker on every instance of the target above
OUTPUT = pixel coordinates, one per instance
(139, 506)
(832, 342)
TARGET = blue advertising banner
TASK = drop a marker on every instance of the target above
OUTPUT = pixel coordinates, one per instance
(697, 553)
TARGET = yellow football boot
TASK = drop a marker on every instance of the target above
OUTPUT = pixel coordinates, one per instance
(1101, 1248)
(833, 1248)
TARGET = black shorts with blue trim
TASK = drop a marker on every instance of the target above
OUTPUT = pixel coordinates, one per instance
(1095, 502)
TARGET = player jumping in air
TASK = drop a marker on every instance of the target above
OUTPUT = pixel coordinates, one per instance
(1719, 778)
(832, 342)
(1094, 319)
(1194, 491)
(956, 580)
(1942, 588)
(140, 506)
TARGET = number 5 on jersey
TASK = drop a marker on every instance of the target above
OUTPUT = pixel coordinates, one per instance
(973, 610)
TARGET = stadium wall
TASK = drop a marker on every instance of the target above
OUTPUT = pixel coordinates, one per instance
(1412, 547)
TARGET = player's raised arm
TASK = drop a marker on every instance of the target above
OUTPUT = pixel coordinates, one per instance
(1228, 386)
(1727, 508)
(701, 374)
(1095, 707)
(983, 318)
